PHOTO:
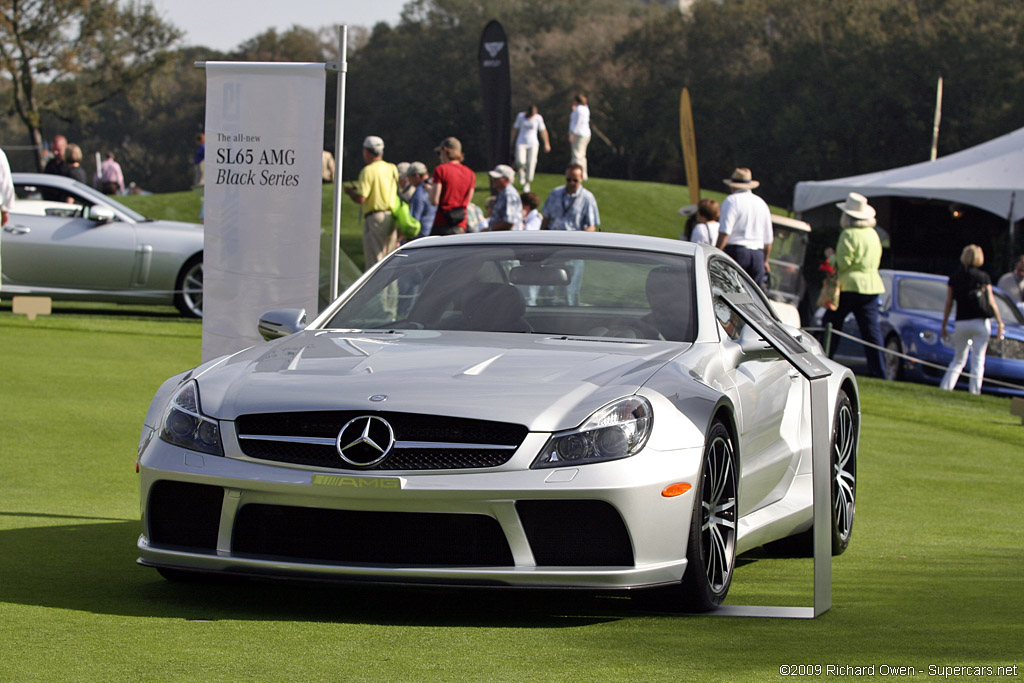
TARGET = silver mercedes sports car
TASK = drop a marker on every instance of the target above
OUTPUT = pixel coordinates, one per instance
(537, 409)
(66, 240)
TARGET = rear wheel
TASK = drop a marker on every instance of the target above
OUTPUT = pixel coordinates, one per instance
(843, 485)
(188, 288)
(844, 473)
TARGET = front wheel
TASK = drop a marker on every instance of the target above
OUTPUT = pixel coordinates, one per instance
(188, 288)
(711, 550)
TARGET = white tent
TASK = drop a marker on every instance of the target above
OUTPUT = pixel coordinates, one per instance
(988, 176)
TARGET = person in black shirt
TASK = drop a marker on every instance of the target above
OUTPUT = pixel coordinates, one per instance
(971, 288)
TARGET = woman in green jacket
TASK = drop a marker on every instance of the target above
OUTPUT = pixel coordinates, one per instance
(856, 259)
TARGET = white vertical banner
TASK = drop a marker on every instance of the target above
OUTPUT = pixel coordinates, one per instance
(263, 194)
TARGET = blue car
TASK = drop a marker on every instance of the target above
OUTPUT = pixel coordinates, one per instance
(910, 315)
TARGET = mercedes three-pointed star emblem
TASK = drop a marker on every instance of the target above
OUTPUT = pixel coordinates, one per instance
(365, 441)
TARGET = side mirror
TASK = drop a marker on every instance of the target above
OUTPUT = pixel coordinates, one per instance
(755, 348)
(101, 214)
(281, 322)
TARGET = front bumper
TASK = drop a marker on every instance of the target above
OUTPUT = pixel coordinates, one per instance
(603, 525)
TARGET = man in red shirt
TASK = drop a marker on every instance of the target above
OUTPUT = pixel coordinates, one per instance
(451, 189)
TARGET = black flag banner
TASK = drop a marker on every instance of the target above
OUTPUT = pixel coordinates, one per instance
(496, 93)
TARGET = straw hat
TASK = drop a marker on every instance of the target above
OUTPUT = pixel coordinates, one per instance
(856, 206)
(742, 179)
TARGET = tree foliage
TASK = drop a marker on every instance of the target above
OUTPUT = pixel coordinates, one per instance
(65, 57)
(793, 89)
(811, 89)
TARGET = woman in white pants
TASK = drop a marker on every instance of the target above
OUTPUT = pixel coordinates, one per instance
(971, 288)
(579, 132)
(529, 131)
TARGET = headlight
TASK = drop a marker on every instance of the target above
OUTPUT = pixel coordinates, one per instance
(185, 425)
(930, 337)
(618, 430)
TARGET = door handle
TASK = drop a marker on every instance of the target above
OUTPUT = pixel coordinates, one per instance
(17, 229)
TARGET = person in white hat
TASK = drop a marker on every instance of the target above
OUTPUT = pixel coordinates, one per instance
(745, 227)
(507, 213)
(856, 259)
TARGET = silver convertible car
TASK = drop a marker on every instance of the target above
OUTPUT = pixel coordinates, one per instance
(67, 241)
(550, 409)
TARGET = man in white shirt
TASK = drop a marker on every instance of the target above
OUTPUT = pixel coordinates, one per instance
(1013, 282)
(745, 227)
(579, 131)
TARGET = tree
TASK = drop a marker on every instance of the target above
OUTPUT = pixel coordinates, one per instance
(64, 57)
(418, 82)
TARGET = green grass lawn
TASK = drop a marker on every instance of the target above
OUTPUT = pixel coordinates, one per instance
(934, 575)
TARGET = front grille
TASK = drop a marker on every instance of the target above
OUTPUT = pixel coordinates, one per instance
(346, 536)
(422, 442)
(575, 533)
(184, 515)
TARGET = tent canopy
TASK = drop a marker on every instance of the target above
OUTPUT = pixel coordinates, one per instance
(988, 176)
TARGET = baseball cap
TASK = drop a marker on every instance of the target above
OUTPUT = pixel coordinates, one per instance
(502, 171)
(374, 144)
(450, 143)
(416, 168)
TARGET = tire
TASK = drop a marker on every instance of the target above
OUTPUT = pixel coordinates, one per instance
(893, 364)
(843, 457)
(711, 549)
(844, 472)
(188, 288)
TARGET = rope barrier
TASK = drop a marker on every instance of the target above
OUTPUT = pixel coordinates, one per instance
(829, 331)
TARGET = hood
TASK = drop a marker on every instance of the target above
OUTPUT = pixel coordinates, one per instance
(546, 383)
(174, 226)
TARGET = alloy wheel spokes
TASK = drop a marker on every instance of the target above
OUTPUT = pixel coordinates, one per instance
(718, 506)
(844, 470)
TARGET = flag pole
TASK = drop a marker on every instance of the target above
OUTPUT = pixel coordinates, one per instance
(938, 116)
(339, 141)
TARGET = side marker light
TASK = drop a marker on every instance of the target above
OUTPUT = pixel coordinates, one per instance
(676, 490)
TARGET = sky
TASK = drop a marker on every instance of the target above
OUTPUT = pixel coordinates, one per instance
(224, 24)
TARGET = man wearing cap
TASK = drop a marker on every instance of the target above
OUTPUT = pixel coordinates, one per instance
(419, 204)
(745, 226)
(452, 188)
(376, 190)
(507, 213)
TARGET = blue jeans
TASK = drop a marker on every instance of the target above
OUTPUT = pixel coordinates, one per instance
(865, 310)
(750, 260)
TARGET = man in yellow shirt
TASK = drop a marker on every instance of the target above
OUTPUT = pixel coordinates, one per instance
(375, 191)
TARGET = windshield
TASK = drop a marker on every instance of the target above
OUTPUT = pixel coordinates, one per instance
(546, 289)
(930, 295)
(37, 199)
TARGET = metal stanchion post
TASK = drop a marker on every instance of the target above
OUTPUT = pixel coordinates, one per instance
(827, 343)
